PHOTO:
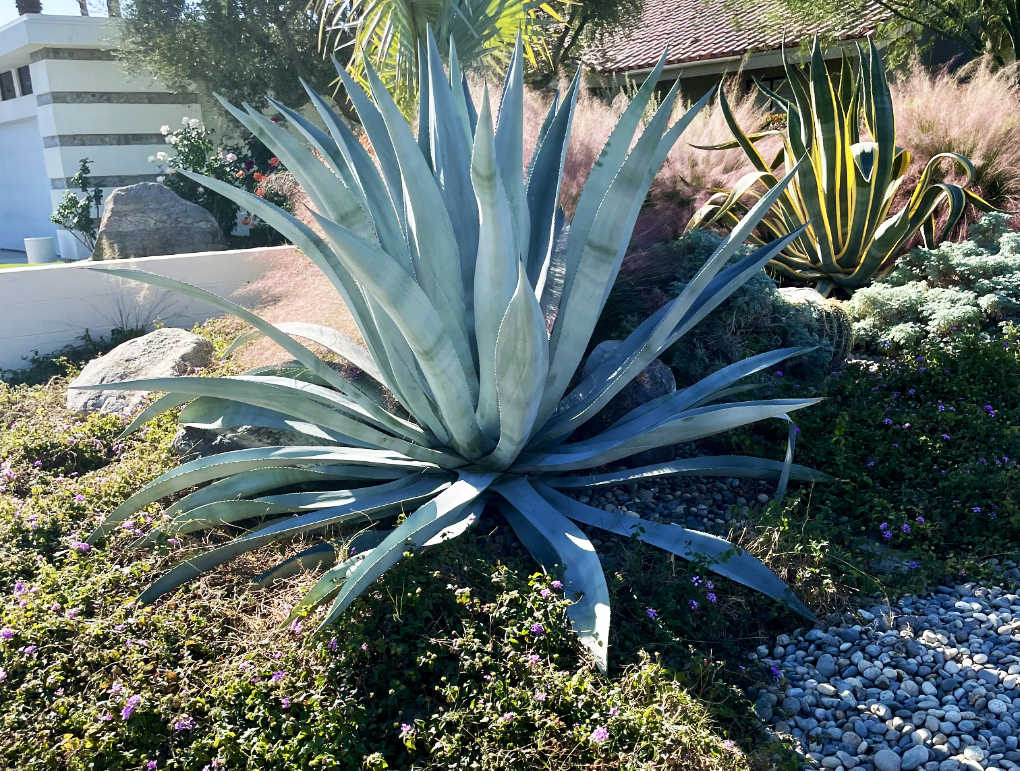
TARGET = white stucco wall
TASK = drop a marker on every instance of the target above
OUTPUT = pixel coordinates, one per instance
(47, 307)
(25, 198)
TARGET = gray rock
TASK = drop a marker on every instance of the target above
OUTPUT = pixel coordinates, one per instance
(164, 353)
(149, 218)
(914, 757)
(886, 760)
(826, 665)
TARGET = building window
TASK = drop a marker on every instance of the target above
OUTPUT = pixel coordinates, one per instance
(7, 86)
(24, 80)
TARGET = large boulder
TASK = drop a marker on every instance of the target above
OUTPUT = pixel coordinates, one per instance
(163, 353)
(653, 381)
(149, 218)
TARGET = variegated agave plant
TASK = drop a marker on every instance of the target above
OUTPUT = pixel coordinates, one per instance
(844, 191)
(476, 300)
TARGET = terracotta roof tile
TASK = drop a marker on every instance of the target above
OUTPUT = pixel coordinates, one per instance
(696, 30)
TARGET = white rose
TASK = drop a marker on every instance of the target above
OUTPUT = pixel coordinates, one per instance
(194, 123)
(161, 156)
(171, 140)
(184, 120)
(164, 130)
(160, 178)
(231, 157)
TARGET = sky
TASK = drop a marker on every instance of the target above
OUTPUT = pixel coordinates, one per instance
(60, 7)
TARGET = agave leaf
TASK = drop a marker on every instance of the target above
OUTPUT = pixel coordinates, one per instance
(302, 400)
(313, 247)
(420, 527)
(599, 260)
(724, 558)
(164, 403)
(495, 276)
(370, 503)
(509, 147)
(436, 253)
(655, 430)
(387, 215)
(212, 414)
(561, 548)
(422, 327)
(248, 484)
(707, 466)
(328, 338)
(228, 463)
(547, 164)
(312, 558)
(521, 367)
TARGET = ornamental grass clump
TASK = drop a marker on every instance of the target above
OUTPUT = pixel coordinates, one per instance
(476, 299)
(844, 191)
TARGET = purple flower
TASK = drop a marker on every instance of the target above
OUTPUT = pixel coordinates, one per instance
(3, 674)
(652, 613)
(976, 509)
(80, 546)
(506, 717)
(332, 644)
(150, 766)
(537, 629)
(711, 597)
(614, 711)
(20, 588)
(776, 672)
(541, 696)
(72, 613)
(887, 534)
(884, 526)
(534, 658)
(912, 565)
(600, 734)
(545, 593)
(905, 527)
(696, 580)
(779, 373)
(106, 717)
(296, 626)
(278, 675)
(945, 436)
(556, 585)
(693, 604)
(79, 498)
(184, 723)
(887, 421)
(129, 708)
(285, 703)
(920, 520)
(406, 730)
(30, 649)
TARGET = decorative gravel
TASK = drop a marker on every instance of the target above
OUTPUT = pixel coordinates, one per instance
(934, 685)
(702, 503)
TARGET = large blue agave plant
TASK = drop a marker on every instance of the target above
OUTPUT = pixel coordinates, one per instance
(476, 299)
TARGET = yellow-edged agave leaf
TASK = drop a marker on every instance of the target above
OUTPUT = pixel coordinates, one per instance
(476, 298)
(844, 189)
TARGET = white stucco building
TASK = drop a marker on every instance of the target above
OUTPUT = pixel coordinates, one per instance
(64, 96)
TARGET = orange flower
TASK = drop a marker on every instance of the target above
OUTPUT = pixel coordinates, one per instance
(239, 175)
(274, 161)
(246, 221)
(260, 192)
(258, 177)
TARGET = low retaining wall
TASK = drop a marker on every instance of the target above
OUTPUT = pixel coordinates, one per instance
(46, 307)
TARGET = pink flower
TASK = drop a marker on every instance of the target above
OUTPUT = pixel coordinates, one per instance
(600, 734)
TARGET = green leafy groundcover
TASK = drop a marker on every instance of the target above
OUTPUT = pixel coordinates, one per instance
(460, 658)
(925, 448)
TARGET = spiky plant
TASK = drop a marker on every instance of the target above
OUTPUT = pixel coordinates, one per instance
(844, 191)
(476, 300)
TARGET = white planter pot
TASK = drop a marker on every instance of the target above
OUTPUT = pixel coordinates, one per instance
(41, 249)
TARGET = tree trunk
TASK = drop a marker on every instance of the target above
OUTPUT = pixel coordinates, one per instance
(84, 6)
(28, 6)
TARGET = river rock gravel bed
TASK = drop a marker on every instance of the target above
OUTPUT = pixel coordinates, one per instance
(931, 683)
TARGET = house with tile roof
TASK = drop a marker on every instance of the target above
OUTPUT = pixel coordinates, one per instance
(708, 38)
